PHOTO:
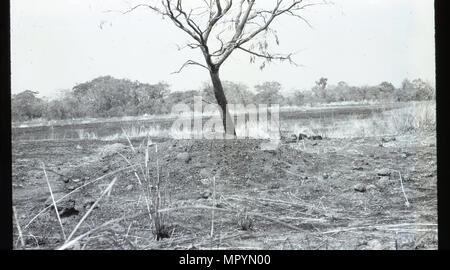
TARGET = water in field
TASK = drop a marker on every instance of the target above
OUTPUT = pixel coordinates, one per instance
(337, 121)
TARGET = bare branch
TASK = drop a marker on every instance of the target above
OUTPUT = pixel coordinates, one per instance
(238, 16)
(136, 7)
(188, 20)
(270, 56)
(207, 101)
(189, 63)
(239, 28)
(189, 45)
(247, 21)
(169, 13)
(275, 13)
(215, 18)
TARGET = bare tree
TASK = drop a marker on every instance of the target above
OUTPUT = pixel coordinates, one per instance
(219, 27)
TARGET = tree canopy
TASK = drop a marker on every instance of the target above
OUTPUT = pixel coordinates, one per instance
(107, 96)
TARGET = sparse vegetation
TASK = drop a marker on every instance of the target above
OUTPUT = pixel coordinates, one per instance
(112, 163)
(415, 117)
(331, 189)
(419, 116)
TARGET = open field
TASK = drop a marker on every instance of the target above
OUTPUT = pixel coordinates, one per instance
(368, 183)
(155, 126)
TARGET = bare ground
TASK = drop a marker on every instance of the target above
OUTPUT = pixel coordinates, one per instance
(312, 194)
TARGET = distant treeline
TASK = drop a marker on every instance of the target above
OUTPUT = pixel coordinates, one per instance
(110, 97)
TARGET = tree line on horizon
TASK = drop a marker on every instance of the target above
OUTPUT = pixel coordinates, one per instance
(107, 96)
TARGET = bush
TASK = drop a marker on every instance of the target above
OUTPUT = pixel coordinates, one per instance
(110, 97)
(26, 106)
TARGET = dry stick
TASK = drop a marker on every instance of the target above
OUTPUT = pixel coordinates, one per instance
(140, 183)
(378, 227)
(140, 166)
(91, 175)
(158, 218)
(128, 230)
(230, 211)
(35, 239)
(18, 227)
(214, 205)
(73, 191)
(286, 203)
(129, 141)
(171, 236)
(403, 190)
(78, 238)
(132, 166)
(147, 172)
(54, 203)
(286, 241)
(70, 243)
(92, 207)
(413, 230)
(289, 172)
(29, 235)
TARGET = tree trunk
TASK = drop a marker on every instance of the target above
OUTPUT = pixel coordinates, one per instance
(227, 120)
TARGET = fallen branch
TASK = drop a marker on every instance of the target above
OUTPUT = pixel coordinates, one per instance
(403, 190)
(92, 208)
(377, 227)
(284, 203)
(73, 191)
(230, 211)
(129, 141)
(54, 203)
(78, 238)
(214, 204)
(18, 227)
(292, 173)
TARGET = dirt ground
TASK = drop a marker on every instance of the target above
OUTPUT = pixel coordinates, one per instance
(361, 193)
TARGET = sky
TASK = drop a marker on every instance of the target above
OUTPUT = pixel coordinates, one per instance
(56, 44)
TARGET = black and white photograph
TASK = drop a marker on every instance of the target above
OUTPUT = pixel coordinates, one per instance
(223, 125)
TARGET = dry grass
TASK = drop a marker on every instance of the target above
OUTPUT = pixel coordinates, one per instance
(415, 117)
(419, 116)
(19, 230)
(273, 212)
(411, 117)
(106, 191)
(250, 129)
(152, 189)
(39, 122)
(85, 135)
(137, 132)
(54, 203)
